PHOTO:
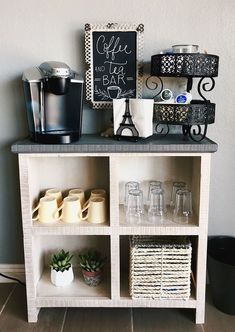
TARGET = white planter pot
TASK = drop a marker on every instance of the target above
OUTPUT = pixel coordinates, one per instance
(61, 279)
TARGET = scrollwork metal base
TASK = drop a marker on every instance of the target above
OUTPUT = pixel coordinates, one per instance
(204, 86)
(196, 135)
(193, 118)
(195, 132)
(162, 129)
(151, 84)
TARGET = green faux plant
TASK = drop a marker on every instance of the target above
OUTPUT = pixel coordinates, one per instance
(61, 261)
(91, 261)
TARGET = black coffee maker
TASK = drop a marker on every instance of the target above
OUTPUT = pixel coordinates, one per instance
(54, 101)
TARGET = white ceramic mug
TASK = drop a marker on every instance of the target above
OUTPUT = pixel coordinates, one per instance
(96, 211)
(95, 193)
(78, 192)
(56, 193)
(47, 210)
(71, 210)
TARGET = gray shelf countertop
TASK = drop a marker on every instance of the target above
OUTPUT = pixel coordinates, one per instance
(96, 143)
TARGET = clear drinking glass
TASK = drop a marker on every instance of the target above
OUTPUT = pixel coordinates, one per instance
(157, 210)
(153, 185)
(131, 185)
(135, 207)
(176, 186)
(183, 206)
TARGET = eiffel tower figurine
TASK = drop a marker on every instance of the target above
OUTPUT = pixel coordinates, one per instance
(127, 123)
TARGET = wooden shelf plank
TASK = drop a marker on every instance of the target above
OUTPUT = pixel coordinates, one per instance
(59, 228)
(78, 294)
(77, 289)
(162, 303)
(118, 303)
(166, 227)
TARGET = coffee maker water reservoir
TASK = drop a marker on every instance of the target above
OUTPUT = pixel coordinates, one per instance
(54, 101)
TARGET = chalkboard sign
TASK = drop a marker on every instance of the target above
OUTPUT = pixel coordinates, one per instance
(114, 58)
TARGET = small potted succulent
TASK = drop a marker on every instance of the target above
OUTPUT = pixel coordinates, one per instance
(92, 265)
(61, 268)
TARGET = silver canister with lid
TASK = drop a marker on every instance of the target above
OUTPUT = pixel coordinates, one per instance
(185, 48)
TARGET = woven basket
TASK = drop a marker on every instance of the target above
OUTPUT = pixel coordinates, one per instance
(160, 267)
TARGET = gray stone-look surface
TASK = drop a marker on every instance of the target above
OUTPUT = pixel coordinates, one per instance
(95, 143)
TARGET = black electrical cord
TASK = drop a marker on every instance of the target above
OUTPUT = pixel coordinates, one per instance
(11, 278)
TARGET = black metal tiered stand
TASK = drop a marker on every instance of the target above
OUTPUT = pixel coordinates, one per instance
(194, 117)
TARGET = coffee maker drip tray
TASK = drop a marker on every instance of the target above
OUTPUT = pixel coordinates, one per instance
(56, 137)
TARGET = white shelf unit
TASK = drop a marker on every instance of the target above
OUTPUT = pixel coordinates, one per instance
(108, 170)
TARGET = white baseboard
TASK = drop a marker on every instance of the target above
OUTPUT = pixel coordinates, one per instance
(12, 270)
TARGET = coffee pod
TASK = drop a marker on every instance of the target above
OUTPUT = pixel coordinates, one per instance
(183, 98)
(166, 94)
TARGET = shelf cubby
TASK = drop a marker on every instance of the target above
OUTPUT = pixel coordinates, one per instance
(165, 169)
(49, 171)
(45, 245)
(142, 302)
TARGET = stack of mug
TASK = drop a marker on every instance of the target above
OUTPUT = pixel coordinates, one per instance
(180, 206)
(72, 209)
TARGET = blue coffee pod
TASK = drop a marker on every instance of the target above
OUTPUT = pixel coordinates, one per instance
(183, 98)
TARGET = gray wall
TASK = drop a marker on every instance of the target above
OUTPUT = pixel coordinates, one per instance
(35, 31)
